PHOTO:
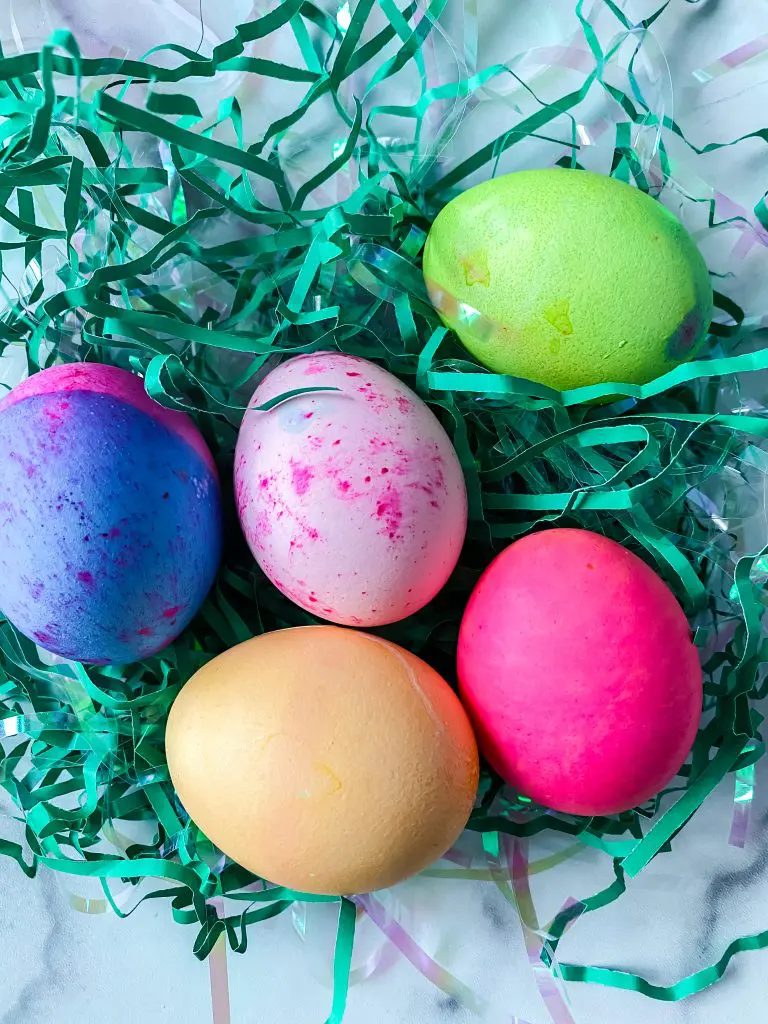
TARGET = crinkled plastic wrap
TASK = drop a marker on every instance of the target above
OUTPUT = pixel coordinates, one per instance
(196, 215)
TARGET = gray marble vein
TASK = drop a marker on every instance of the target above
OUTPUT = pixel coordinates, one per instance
(49, 966)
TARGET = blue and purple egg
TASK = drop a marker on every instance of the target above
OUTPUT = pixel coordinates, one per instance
(110, 515)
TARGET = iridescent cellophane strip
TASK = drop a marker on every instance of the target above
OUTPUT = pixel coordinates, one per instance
(507, 859)
(426, 965)
(219, 976)
(744, 795)
(754, 49)
(516, 855)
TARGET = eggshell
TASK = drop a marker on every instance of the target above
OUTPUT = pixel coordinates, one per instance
(577, 668)
(578, 279)
(323, 759)
(352, 500)
(110, 515)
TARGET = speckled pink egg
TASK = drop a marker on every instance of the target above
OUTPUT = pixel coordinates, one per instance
(577, 668)
(352, 501)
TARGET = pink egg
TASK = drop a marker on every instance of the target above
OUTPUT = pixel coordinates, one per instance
(352, 501)
(577, 667)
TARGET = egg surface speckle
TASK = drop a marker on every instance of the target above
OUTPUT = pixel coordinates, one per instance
(110, 515)
(323, 759)
(568, 278)
(352, 500)
(577, 668)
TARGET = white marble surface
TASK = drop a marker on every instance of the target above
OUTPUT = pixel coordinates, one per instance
(63, 967)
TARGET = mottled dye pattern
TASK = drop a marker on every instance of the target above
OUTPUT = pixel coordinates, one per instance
(352, 501)
(110, 380)
(110, 523)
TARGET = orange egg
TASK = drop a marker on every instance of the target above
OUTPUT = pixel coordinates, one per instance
(324, 760)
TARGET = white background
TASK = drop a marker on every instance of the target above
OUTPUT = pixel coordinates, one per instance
(62, 967)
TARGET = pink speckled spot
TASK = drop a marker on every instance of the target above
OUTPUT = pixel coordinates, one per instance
(389, 508)
(378, 402)
(117, 383)
(301, 477)
(363, 519)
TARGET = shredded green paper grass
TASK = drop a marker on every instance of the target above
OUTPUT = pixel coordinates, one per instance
(199, 247)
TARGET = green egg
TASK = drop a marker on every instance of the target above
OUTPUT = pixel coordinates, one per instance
(568, 278)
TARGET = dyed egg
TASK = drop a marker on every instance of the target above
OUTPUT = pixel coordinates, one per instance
(352, 500)
(577, 668)
(568, 278)
(110, 515)
(323, 759)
